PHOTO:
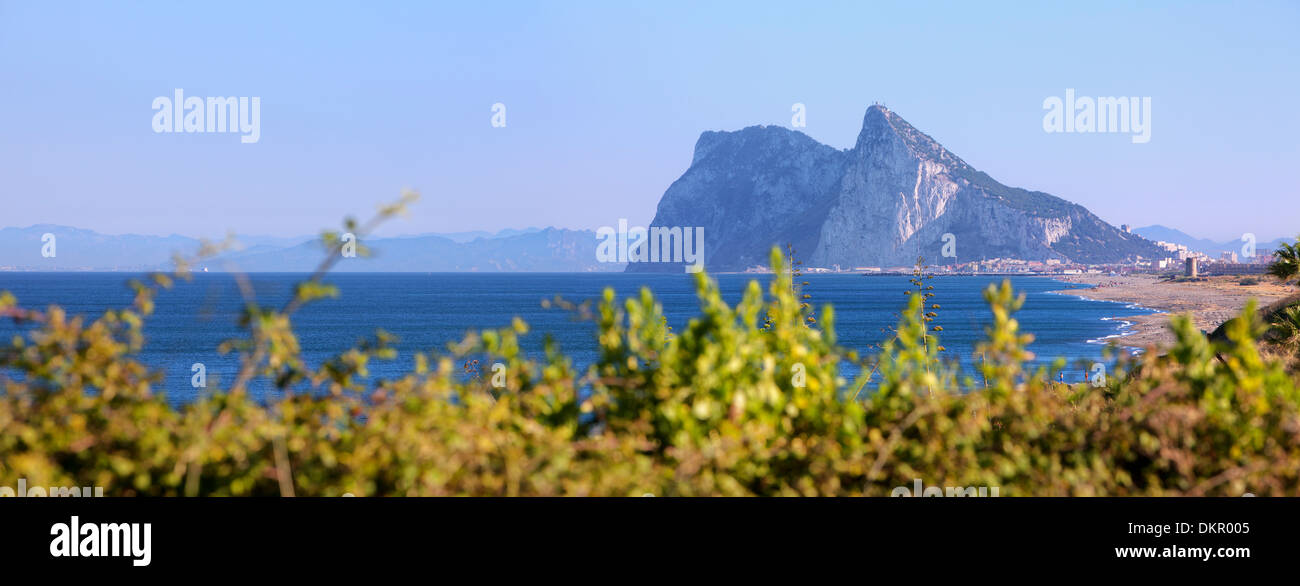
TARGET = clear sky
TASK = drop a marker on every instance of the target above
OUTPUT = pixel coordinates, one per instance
(606, 99)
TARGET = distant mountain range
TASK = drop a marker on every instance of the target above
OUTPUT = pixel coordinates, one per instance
(463, 237)
(1205, 245)
(896, 195)
(527, 250)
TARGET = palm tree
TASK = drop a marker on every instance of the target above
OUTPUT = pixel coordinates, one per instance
(1287, 263)
(1287, 327)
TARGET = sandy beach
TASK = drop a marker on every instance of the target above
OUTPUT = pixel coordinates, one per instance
(1211, 302)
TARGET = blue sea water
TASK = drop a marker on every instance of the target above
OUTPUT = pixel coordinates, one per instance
(426, 311)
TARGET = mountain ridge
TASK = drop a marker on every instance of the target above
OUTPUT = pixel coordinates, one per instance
(527, 250)
(1159, 232)
(894, 196)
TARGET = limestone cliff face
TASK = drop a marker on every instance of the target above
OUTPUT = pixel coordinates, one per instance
(749, 187)
(886, 201)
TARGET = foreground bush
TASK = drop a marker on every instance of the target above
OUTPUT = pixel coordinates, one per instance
(746, 400)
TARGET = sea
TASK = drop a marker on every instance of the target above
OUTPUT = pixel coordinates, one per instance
(426, 311)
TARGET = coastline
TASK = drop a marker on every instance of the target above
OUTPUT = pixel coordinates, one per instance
(1210, 302)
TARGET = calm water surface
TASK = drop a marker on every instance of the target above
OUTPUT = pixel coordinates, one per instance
(428, 310)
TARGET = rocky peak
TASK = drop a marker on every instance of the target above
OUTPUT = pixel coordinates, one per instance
(882, 127)
(894, 196)
(750, 143)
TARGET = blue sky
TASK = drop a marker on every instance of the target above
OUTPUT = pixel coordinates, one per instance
(606, 99)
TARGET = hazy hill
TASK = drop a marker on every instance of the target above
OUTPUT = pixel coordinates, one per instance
(529, 250)
(1205, 245)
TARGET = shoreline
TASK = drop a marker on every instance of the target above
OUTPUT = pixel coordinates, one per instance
(1210, 302)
